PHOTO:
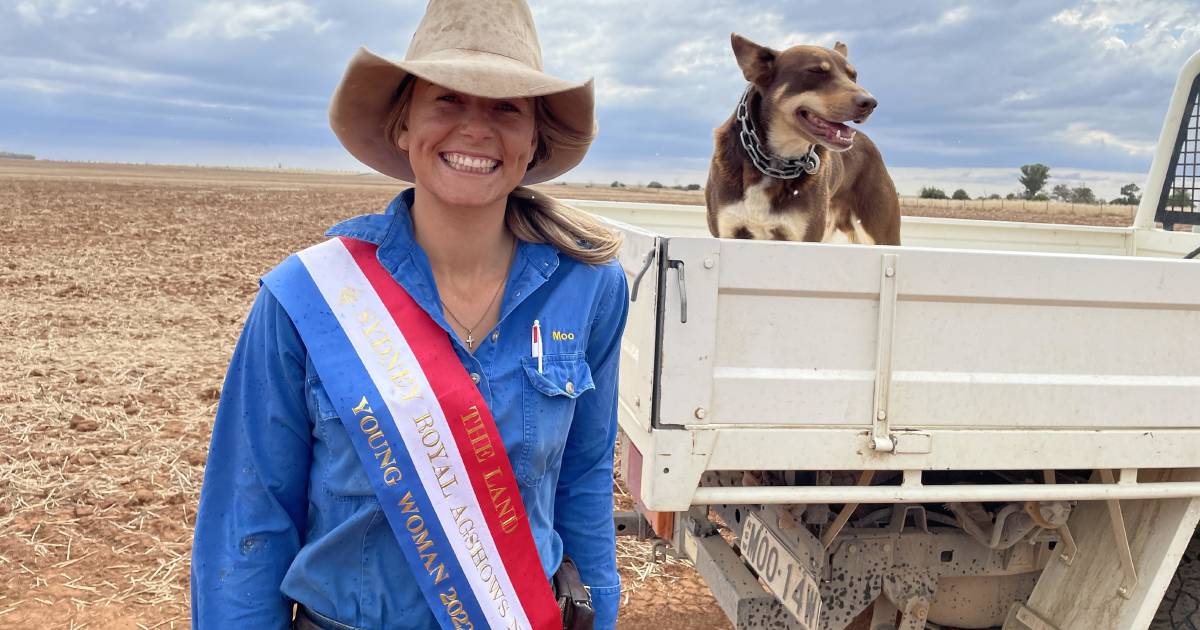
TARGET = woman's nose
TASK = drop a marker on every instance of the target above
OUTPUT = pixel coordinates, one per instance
(476, 123)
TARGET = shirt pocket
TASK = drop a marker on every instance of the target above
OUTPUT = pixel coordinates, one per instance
(335, 462)
(547, 405)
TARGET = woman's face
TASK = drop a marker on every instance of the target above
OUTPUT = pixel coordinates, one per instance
(467, 151)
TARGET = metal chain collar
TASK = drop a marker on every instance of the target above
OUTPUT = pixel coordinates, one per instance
(769, 165)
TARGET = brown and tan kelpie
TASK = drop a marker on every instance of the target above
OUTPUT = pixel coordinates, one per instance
(786, 167)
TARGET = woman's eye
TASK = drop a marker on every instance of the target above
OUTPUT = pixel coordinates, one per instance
(449, 98)
(508, 107)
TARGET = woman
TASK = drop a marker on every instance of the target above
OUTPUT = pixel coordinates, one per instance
(400, 509)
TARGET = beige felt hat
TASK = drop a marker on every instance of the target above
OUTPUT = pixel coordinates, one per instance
(484, 48)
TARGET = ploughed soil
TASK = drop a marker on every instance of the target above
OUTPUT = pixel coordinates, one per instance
(123, 290)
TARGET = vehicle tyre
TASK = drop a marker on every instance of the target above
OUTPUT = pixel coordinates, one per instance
(1180, 607)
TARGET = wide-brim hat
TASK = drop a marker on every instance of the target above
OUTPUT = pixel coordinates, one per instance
(485, 48)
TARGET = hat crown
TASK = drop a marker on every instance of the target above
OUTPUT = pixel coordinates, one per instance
(501, 27)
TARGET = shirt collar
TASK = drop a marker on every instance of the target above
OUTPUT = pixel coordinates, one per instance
(392, 232)
(402, 256)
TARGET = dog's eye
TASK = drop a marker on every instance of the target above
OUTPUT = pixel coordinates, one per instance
(818, 70)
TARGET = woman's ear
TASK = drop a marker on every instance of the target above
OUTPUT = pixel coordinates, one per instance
(402, 138)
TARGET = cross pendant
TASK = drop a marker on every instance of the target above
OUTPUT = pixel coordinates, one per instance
(470, 340)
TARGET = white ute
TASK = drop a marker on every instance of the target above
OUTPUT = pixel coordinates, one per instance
(996, 424)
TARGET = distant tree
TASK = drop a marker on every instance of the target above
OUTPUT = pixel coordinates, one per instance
(1082, 194)
(1010, 196)
(930, 192)
(960, 195)
(1040, 197)
(1061, 192)
(693, 186)
(1179, 198)
(16, 156)
(654, 185)
(1129, 195)
(994, 196)
(616, 184)
(1033, 178)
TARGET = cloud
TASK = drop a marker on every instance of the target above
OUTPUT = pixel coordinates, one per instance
(35, 12)
(1083, 134)
(28, 13)
(954, 16)
(697, 56)
(1114, 43)
(233, 20)
(1019, 96)
(1155, 31)
(40, 86)
(83, 74)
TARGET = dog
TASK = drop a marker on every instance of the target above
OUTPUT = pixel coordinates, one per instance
(785, 165)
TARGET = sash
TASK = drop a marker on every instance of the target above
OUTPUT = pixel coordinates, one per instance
(424, 434)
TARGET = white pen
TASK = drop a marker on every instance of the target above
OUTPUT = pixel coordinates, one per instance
(537, 344)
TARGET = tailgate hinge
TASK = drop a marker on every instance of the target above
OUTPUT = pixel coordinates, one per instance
(881, 438)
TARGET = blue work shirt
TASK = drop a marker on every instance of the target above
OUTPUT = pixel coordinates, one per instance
(287, 513)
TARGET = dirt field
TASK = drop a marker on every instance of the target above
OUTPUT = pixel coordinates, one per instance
(124, 289)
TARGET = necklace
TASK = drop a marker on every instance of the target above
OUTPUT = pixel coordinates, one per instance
(470, 340)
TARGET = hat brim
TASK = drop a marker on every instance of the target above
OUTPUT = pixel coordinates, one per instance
(362, 101)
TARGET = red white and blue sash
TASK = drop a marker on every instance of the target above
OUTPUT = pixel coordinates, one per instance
(424, 435)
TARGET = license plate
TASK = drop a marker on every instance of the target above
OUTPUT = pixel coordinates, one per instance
(789, 580)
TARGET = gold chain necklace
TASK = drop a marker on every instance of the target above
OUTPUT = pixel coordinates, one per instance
(470, 340)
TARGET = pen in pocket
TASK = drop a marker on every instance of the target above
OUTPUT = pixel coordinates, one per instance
(537, 344)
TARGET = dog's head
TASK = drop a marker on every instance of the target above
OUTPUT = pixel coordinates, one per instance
(809, 93)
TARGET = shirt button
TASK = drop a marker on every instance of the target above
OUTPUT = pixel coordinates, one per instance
(474, 377)
(570, 387)
(496, 336)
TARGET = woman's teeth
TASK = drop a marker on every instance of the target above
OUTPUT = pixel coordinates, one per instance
(468, 164)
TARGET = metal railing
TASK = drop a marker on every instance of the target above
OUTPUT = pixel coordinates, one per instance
(1179, 199)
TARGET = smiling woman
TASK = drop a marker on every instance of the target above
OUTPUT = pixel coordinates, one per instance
(386, 452)
(450, 136)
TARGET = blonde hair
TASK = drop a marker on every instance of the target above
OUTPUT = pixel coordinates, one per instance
(533, 216)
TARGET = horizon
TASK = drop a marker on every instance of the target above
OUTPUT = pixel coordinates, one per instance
(565, 180)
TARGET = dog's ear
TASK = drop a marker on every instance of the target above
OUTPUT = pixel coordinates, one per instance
(841, 48)
(757, 62)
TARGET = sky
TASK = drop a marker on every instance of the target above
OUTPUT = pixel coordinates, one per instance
(968, 92)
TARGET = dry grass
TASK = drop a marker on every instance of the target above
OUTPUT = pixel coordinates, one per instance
(122, 303)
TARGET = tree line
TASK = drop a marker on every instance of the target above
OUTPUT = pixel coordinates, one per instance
(1034, 178)
(617, 184)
